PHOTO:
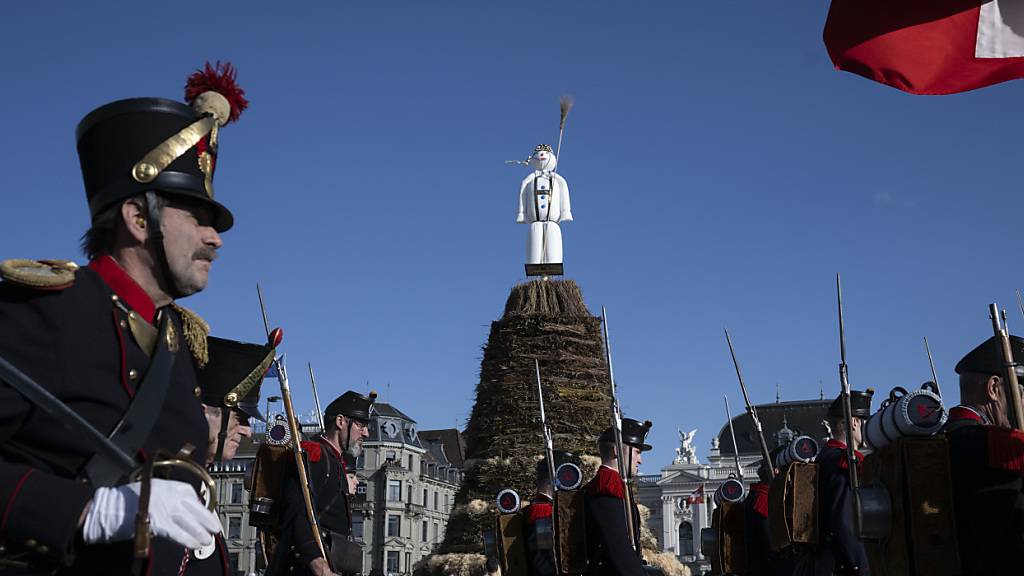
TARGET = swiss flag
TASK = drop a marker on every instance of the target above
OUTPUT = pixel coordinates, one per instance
(928, 46)
(698, 496)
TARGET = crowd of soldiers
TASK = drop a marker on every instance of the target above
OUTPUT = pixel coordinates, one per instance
(115, 398)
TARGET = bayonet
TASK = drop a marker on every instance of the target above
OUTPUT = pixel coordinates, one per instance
(735, 449)
(750, 407)
(931, 364)
(844, 382)
(316, 398)
(617, 430)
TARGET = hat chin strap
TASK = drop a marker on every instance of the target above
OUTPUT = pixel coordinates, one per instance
(156, 237)
(225, 414)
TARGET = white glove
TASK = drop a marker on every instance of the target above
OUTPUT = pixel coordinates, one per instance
(175, 513)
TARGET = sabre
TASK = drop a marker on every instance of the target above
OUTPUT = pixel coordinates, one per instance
(844, 382)
(750, 407)
(931, 364)
(617, 429)
(1012, 383)
(316, 397)
(274, 339)
(549, 454)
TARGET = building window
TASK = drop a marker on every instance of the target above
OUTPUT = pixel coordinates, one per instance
(408, 494)
(392, 562)
(446, 502)
(394, 490)
(423, 468)
(234, 527)
(424, 497)
(391, 456)
(424, 531)
(361, 488)
(435, 500)
(410, 461)
(357, 525)
(233, 561)
(435, 531)
(394, 525)
(686, 539)
(236, 492)
(361, 461)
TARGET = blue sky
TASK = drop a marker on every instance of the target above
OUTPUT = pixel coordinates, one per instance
(721, 173)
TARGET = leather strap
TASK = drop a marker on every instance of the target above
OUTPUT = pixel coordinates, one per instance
(138, 421)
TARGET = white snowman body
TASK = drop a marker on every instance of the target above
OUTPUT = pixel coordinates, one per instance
(543, 203)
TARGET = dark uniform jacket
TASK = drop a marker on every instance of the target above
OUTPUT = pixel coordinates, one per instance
(761, 560)
(77, 344)
(541, 562)
(986, 463)
(839, 550)
(608, 547)
(297, 547)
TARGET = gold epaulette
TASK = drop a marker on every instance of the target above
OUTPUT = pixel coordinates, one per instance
(196, 330)
(39, 274)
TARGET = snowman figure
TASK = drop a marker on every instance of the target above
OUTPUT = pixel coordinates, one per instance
(543, 203)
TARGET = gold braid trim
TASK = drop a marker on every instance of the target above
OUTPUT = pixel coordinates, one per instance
(196, 330)
(232, 398)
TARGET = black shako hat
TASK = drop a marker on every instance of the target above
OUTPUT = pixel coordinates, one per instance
(351, 405)
(233, 374)
(860, 404)
(634, 433)
(137, 145)
(561, 457)
(987, 357)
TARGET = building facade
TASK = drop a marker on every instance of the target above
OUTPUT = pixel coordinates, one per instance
(680, 498)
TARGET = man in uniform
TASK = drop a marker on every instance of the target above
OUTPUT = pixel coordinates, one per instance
(347, 424)
(761, 559)
(987, 461)
(839, 550)
(541, 509)
(609, 546)
(230, 383)
(111, 345)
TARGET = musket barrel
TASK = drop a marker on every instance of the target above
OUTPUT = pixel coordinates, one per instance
(844, 382)
(617, 430)
(1012, 382)
(549, 454)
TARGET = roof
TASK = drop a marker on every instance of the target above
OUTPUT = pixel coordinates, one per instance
(449, 442)
(802, 417)
(384, 409)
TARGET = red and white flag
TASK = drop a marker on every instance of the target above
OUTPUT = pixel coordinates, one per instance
(698, 496)
(928, 46)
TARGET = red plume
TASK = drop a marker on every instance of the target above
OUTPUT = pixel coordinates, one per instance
(221, 79)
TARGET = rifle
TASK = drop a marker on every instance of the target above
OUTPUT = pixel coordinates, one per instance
(750, 409)
(316, 397)
(931, 364)
(617, 429)
(549, 454)
(274, 337)
(1012, 383)
(735, 450)
(844, 383)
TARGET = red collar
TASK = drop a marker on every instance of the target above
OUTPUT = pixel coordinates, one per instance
(126, 288)
(833, 443)
(965, 413)
(334, 450)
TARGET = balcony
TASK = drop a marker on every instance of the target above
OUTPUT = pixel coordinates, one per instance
(415, 509)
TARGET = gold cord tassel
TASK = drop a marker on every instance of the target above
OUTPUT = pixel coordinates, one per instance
(196, 330)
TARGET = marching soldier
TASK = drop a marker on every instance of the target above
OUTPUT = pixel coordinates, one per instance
(347, 424)
(987, 460)
(761, 560)
(608, 540)
(230, 392)
(839, 551)
(110, 344)
(541, 561)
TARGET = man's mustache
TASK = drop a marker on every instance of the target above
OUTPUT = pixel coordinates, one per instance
(205, 253)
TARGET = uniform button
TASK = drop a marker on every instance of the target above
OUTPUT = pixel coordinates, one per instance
(123, 324)
(198, 391)
(31, 543)
(42, 549)
(114, 298)
(131, 315)
(133, 374)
